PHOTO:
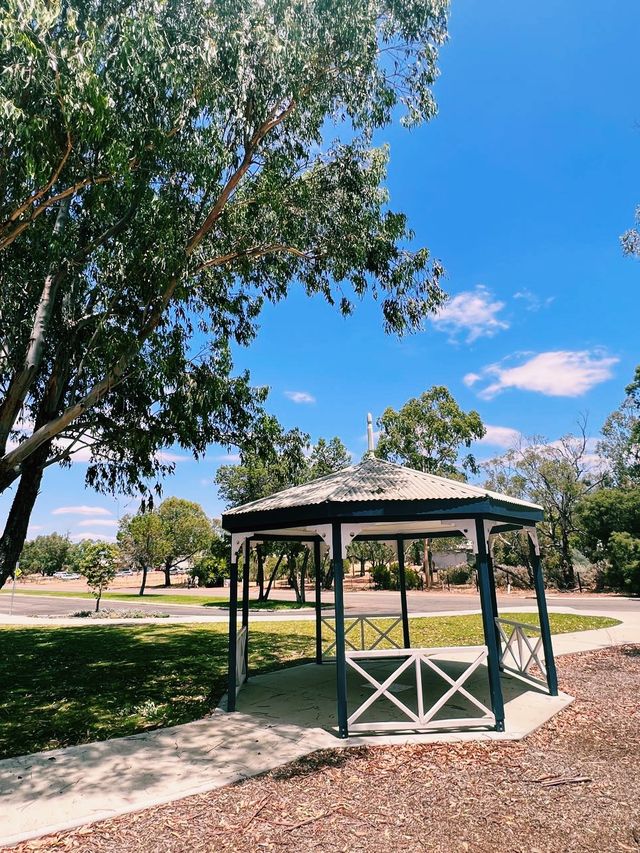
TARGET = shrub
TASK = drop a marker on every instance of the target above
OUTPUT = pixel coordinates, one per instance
(381, 577)
(624, 558)
(459, 575)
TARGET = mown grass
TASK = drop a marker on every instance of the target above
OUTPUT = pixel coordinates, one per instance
(169, 598)
(62, 686)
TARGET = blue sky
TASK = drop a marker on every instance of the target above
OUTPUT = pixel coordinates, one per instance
(521, 186)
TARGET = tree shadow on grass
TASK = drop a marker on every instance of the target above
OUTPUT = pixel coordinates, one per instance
(66, 686)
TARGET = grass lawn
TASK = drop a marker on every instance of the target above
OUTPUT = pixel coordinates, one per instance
(61, 686)
(162, 598)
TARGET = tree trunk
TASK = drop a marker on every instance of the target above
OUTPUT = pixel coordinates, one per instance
(362, 567)
(98, 602)
(426, 564)
(568, 574)
(328, 576)
(273, 576)
(260, 572)
(15, 529)
(144, 580)
(167, 573)
(303, 576)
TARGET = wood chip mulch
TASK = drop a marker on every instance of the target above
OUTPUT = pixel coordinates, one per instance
(572, 786)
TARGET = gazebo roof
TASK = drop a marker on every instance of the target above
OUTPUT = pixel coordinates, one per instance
(376, 481)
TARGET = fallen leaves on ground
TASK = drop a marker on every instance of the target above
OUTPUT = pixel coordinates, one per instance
(571, 786)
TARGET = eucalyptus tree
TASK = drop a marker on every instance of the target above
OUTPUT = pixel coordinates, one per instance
(164, 169)
(620, 442)
(427, 433)
(291, 460)
(558, 476)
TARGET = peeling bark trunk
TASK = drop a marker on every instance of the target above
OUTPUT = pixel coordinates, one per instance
(273, 576)
(260, 572)
(15, 530)
(144, 580)
(24, 377)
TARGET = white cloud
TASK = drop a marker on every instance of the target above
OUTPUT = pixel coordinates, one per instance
(560, 373)
(500, 436)
(474, 312)
(98, 522)
(166, 456)
(533, 302)
(228, 458)
(89, 534)
(81, 510)
(471, 379)
(300, 396)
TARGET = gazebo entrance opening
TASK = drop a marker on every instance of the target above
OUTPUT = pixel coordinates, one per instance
(383, 681)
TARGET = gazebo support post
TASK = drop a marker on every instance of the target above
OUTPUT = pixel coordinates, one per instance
(406, 639)
(233, 632)
(341, 665)
(494, 600)
(317, 565)
(489, 622)
(246, 564)
(543, 614)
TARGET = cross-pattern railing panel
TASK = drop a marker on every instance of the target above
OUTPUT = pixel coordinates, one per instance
(410, 663)
(241, 660)
(520, 652)
(362, 633)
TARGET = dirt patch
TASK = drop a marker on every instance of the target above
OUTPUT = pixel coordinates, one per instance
(572, 786)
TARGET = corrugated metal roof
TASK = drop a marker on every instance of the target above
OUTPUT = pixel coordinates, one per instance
(375, 480)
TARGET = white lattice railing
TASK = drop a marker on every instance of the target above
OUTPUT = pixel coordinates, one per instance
(422, 716)
(361, 633)
(519, 651)
(241, 660)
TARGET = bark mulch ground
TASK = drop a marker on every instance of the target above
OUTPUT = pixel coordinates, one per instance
(572, 786)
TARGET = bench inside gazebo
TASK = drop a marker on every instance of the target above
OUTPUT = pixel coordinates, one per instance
(366, 667)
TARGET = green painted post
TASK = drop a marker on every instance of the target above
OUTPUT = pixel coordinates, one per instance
(494, 600)
(406, 639)
(488, 623)
(341, 665)
(545, 628)
(246, 565)
(233, 633)
(317, 565)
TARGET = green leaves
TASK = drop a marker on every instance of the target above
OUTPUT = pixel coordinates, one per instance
(428, 432)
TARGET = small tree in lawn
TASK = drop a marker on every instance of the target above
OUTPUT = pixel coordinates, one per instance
(186, 530)
(98, 564)
(142, 541)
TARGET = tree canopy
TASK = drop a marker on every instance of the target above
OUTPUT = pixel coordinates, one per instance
(165, 169)
(427, 433)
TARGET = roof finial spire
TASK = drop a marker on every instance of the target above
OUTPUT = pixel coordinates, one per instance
(370, 448)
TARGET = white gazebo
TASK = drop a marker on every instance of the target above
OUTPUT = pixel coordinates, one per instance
(378, 500)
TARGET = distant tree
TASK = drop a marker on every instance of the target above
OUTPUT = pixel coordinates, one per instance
(45, 554)
(605, 512)
(142, 542)
(557, 476)
(327, 457)
(98, 563)
(620, 443)
(290, 461)
(186, 532)
(624, 562)
(427, 434)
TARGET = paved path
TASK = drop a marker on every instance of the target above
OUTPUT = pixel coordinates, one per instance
(370, 602)
(54, 790)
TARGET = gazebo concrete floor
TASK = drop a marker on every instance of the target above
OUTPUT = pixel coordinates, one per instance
(305, 696)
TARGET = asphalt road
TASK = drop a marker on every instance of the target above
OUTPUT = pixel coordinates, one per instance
(356, 602)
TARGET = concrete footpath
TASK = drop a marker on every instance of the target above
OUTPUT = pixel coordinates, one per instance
(59, 789)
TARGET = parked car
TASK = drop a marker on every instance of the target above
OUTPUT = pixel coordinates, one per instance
(67, 576)
(125, 573)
